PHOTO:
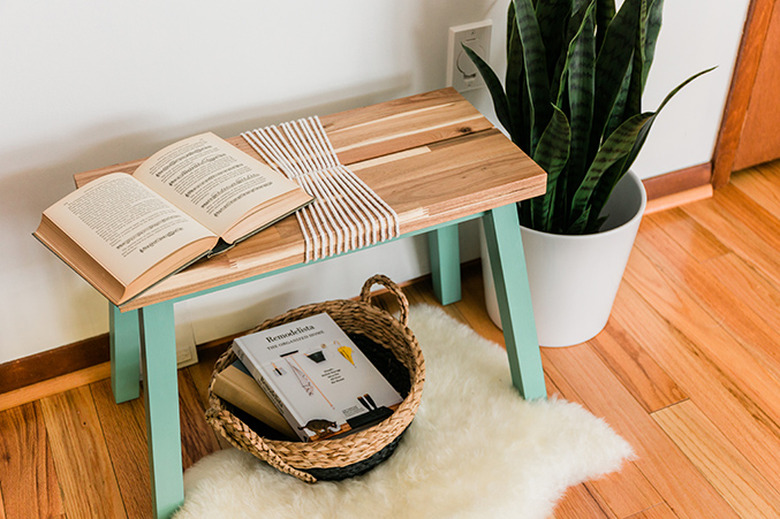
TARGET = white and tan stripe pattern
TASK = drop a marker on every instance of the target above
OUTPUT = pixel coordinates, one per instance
(346, 213)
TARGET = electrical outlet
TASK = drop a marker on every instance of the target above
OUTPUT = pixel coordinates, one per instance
(461, 72)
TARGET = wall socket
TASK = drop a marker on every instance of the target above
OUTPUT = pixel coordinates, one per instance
(461, 72)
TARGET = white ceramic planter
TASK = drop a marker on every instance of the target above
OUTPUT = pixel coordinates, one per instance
(574, 279)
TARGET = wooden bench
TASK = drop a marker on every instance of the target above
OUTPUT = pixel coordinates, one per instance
(437, 162)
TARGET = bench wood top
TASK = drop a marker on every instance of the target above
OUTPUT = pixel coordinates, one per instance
(432, 157)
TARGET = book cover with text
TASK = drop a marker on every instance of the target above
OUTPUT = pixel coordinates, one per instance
(317, 377)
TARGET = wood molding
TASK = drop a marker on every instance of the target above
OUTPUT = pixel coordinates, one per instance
(53, 363)
(678, 187)
(663, 192)
(742, 82)
(52, 386)
(677, 181)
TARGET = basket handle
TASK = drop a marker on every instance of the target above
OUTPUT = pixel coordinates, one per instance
(217, 417)
(381, 279)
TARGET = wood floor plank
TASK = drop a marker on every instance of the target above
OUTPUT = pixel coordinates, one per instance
(750, 214)
(124, 428)
(87, 481)
(706, 339)
(743, 226)
(706, 304)
(623, 492)
(661, 511)
(760, 184)
(198, 438)
(578, 503)
(697, 239)
(714, 257)
(472, 307)
(425, 295)
(748, 493)
(618, 494)
(658, 458)
(724, 402)
(28, 481)
(650, 385)
(752, 289)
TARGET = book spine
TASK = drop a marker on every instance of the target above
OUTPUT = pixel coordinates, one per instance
(252, 400)
(272, 395)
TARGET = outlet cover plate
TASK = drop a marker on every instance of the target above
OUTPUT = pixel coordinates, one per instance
(461, 72)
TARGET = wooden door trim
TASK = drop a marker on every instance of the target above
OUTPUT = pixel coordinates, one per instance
(743, 79)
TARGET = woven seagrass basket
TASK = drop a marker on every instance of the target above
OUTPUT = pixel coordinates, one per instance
(356, 453)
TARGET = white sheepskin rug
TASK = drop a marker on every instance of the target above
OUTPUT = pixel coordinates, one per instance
(476, 449)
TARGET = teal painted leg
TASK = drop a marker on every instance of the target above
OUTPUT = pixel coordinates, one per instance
(445, 263)
(162, 408)
(505, 246)
(125, 345)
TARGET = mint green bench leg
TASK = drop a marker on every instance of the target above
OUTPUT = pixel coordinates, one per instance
(125, 346)
(161, 392)
(505, 247)
(444, 251)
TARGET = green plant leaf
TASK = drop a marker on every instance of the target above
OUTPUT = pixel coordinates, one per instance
(577, 5)
(633, 104)
(576, 71)
(645, 131)
(551, 155)
(535, 63)
(612, 65)
(605, 12)
(654, 18)
(619, 112)
(524, 212)
(580, 62)
(617, 146)
(552, 16)
(572, 26)
(514, 83)
(511, 27)
(574, 30)
(578, 226)
(494, 86)
(603, 191)
(553, 149)
(606, 183)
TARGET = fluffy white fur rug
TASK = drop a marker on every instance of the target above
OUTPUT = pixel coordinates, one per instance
(475, 449)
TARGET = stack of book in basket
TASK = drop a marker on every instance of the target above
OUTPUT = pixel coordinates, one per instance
(306, 380)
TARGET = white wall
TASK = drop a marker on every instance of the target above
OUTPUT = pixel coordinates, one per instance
(695, 35)
(86, 84)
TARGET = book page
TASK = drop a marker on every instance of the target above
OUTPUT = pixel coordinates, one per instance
(125, 226)
(211, 180)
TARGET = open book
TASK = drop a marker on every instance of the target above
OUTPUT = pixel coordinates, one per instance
(123, 233)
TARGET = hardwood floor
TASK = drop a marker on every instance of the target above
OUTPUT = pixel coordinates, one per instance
(687, 370)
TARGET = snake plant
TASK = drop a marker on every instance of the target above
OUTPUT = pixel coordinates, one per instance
(571, 100)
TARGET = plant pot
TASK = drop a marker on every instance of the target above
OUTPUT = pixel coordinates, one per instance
(574, 279)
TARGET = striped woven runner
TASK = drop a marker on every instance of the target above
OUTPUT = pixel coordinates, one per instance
(346, 214)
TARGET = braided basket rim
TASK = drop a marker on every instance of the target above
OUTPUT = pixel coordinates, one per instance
(295, 457)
